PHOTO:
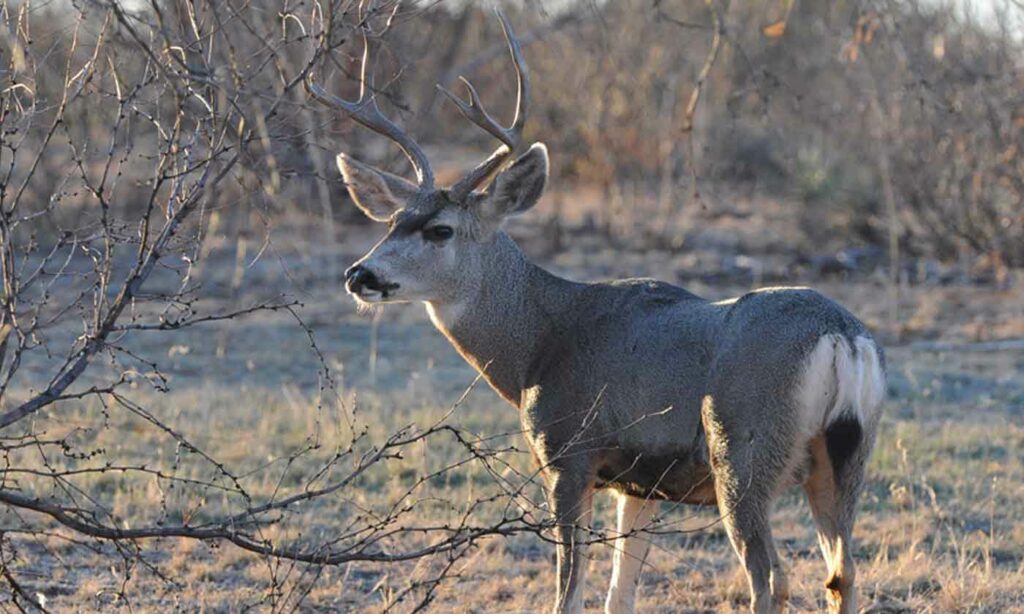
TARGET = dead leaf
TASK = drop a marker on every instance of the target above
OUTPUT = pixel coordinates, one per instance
(775, 30)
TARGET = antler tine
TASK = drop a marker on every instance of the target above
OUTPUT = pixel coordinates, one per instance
(366, 111)
(475, 112)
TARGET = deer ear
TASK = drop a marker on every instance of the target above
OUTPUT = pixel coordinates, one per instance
(377, 193)
(518, 187)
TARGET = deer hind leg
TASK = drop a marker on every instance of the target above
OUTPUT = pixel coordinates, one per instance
(751, 537)
(832, 493)
(571, 500)
(633, 515)
(747, 475)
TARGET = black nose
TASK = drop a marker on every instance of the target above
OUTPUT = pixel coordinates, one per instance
(358, 277)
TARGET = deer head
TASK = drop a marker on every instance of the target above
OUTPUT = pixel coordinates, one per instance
(437, 238)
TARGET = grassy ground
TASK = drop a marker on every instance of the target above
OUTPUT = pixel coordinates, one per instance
(939, 529)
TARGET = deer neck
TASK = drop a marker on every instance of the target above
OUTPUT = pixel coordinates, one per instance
(501, 320)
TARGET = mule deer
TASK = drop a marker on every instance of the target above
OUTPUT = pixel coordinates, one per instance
(636, 386)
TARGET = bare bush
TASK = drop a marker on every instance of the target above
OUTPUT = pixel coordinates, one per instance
(125, 134)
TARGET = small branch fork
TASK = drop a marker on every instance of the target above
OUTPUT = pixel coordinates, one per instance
(717, 32)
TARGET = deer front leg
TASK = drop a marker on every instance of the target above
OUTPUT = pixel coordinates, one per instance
(571, 499)
(634, 515)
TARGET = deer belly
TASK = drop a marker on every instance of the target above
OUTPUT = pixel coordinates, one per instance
(672, 477)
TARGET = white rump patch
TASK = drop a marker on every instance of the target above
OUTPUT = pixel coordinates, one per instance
(837, 380)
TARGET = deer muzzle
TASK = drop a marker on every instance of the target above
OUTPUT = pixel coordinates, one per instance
(363, 283)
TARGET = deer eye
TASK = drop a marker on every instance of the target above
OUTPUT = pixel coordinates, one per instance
(437, 234)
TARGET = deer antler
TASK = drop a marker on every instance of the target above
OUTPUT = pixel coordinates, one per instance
(474, 111)
(366, 112)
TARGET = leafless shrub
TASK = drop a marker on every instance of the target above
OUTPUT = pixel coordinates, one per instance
(125, 132)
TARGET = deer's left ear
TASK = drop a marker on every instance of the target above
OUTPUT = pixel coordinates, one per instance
(518, 187)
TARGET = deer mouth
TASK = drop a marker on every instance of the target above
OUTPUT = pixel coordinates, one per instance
(362, 283)
(380, 293)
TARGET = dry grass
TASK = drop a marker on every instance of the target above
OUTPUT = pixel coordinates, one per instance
(938, 531)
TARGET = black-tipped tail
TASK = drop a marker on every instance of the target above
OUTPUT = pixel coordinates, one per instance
(842, 438)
